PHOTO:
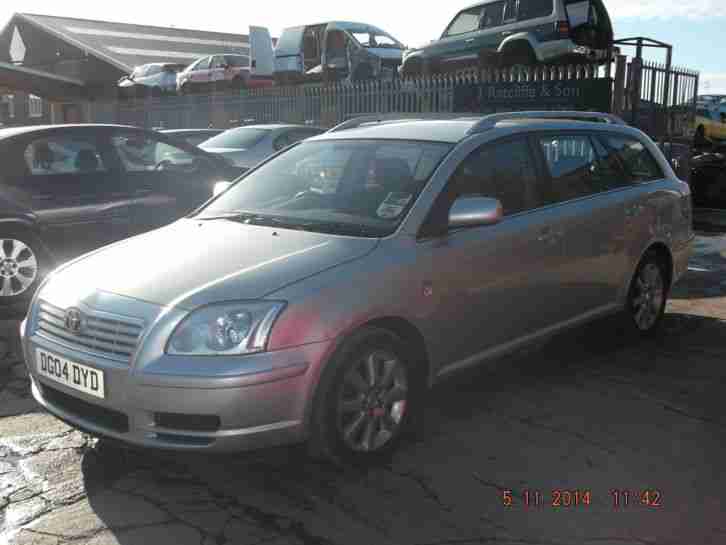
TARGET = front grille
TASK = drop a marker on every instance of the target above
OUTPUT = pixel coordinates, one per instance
(105, 335)
(100, 416)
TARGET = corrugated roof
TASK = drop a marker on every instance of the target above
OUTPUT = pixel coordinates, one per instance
(128, 45)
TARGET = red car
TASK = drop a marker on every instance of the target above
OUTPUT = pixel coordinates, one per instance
(232, 70)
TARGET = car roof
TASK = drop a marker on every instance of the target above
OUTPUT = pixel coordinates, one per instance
(455, 130)
(190, 131)
(29, 129)
(276, 126)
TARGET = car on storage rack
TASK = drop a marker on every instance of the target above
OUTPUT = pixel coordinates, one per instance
(517, 32)
(153, 79)
(289, 309)
(710, 122)
(69, 189)
(232, 70)
(336, 50)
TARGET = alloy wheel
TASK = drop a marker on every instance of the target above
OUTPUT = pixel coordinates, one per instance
(18, 267)
(648, 297)
(372, 401)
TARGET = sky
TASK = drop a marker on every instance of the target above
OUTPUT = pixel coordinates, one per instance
(694, 27)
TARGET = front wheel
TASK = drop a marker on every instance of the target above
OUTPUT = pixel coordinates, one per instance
(21, 267)
(648, 295)
(367, 399)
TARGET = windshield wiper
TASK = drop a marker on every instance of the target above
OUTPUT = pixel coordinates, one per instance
(331, 227)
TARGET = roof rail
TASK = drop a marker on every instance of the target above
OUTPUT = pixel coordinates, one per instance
(355, 122)
(490, 121)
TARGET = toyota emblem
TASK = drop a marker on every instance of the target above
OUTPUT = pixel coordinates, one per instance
(74, 320)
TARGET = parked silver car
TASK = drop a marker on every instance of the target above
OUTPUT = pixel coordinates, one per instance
(155, 79)
(246, 146)
(317, 303)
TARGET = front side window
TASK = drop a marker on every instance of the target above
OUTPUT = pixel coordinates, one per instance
(466, 21)
(358, 188)
(63, 155)
(202, 64)
(139, 153)
(636, 159)
(503, 171)
(533, 9)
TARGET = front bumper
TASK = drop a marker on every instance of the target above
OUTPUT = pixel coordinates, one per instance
(187, 403)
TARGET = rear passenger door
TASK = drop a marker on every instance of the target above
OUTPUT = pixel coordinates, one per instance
(588, 195)
(646, 197)
(501, 282)
(74, 190)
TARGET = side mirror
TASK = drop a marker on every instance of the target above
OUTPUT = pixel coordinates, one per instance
(220, 187)
(475, 211)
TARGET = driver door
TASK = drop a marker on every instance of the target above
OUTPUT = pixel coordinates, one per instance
(166, 181)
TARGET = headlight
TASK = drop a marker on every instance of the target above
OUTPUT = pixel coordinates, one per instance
(229, 329)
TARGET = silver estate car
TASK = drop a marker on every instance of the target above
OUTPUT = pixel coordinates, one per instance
(321, 294)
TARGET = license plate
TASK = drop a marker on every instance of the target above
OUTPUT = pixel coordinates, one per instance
(74, 375)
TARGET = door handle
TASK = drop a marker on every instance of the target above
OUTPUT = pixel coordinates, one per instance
(143, 191)
(507, 32)
(469, 40)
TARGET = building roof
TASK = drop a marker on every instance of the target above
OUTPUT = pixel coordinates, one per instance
(129, 45)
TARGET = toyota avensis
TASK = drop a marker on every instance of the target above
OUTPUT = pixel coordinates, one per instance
(322, 293)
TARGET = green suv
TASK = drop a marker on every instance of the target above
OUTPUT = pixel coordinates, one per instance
(517, 32)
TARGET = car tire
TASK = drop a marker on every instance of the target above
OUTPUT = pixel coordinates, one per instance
(518, 55)
(23, 264)
(358, 417)
(647, 296)
(700, 140)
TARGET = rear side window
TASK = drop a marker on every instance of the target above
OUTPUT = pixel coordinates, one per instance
(532, 9)
(492, 15)
(636, 159)
(503, 171)
(63, 155)
(203, 64)
(576, 169)
(466, 21)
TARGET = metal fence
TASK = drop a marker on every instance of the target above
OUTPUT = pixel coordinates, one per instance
(637, 89)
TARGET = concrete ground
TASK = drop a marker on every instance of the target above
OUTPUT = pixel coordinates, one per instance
(590, 416)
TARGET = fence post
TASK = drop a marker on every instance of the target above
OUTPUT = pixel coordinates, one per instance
(619, 91)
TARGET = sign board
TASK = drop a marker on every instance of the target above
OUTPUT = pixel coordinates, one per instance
(583, 94)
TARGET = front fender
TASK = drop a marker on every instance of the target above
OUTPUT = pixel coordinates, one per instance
(522, 37)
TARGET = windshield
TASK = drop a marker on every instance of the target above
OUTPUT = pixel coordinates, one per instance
(241, 138)
(374, 38)
(360, 188)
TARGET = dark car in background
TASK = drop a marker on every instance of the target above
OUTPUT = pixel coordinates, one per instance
(336, 50)
(517, 32)
(153, 79)
(68, 189)
(193, 137)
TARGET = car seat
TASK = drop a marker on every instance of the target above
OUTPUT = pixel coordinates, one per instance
(86, 161)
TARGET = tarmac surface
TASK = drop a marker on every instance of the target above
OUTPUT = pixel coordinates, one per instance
(565, 432)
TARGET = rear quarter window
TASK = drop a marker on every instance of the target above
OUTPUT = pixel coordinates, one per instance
(638, 162)
(533, 9)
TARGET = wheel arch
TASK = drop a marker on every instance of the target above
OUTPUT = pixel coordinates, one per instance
(518, 40)
(664, 252)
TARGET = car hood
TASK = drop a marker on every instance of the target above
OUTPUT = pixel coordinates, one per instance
(386, 53)
(197, 262)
